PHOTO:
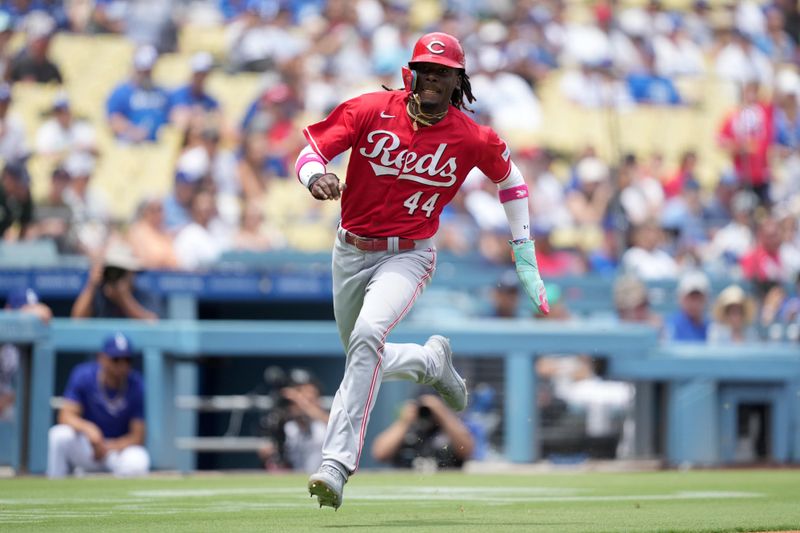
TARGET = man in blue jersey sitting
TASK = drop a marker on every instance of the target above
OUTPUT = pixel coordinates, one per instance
(192, 102)
(137, 108)
(101, 423)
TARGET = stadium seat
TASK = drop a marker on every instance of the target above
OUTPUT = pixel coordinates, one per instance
(235, 92)
(196, 38)
(130, 173)
(172, 70)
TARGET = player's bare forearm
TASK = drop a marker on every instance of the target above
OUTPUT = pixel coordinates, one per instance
(455, 429)
(308, 407)
(124, 441)
(134, 437)
(134, 309)
(316, 412)
(387, 443)
(326, 187)
(460, 437)
(82, 308)
(70, 415)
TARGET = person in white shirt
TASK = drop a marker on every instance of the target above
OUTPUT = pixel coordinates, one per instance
(641, 194)
(202, 241)
(697, 24)
(645, 259)
(62, 133)
(734, 239)
(741, 62)
(677, 54)
(259, 39)
(89, 204)
(13, 146)
(594, 85)
(510, 100)
(548, 200)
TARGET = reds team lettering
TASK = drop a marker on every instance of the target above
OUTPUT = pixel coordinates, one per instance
(408, 165)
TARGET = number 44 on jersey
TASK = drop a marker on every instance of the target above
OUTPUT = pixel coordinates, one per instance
(412, 203)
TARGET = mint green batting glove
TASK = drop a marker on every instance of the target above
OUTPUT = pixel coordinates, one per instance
(528, 272)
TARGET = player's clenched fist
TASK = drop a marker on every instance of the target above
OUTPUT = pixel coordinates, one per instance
(325, 186)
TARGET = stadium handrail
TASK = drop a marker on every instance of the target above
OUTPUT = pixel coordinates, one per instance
(172, 348)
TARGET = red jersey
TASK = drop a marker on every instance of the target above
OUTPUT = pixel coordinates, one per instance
(751, 127)
(398, 179)
(760, 265)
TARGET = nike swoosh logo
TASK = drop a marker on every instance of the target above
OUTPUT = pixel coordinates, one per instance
(384, 115)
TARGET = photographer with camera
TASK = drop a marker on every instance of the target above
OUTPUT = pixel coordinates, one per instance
(109, 291)
(295, 426)
(427, 436)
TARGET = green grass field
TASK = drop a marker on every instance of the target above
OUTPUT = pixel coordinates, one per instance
(382, 502)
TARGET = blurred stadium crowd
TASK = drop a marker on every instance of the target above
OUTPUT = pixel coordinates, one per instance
(657, 139)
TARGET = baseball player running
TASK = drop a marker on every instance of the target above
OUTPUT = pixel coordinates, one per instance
(411, 151)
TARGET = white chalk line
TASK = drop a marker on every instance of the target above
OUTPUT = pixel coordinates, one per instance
(390, 491)
(157, 502)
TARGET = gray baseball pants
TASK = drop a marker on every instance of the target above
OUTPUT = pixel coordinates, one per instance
(372, 292)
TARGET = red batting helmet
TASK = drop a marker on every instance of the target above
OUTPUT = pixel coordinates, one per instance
(440, 48)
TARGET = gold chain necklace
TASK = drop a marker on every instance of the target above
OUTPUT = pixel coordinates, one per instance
(426, 119)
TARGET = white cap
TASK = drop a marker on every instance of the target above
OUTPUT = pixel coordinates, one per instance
(787, 82)
(634, 22)
(193, 165)
(592, 170)
(118, 254)
(491, 59)
(38, 25)
(493, 32)
(750, 18)
(693, 281)
(79, 164)
(202, 62)
(145, 57)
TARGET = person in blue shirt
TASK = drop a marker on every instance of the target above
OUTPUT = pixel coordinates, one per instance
(20, 10)
(192, 100)
(101, 423)
(690, 322)
(646, 86)
(192, 171)
(137, 108)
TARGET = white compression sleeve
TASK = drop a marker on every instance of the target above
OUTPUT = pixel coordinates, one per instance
(513, 193)
(308, 163)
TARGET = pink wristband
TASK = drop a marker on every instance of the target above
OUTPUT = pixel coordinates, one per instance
(514, 193)
(307, 158)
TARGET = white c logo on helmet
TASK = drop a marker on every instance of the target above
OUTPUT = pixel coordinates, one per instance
(438, 50)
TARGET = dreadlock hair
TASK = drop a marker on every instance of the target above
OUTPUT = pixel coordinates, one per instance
(460, 93)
